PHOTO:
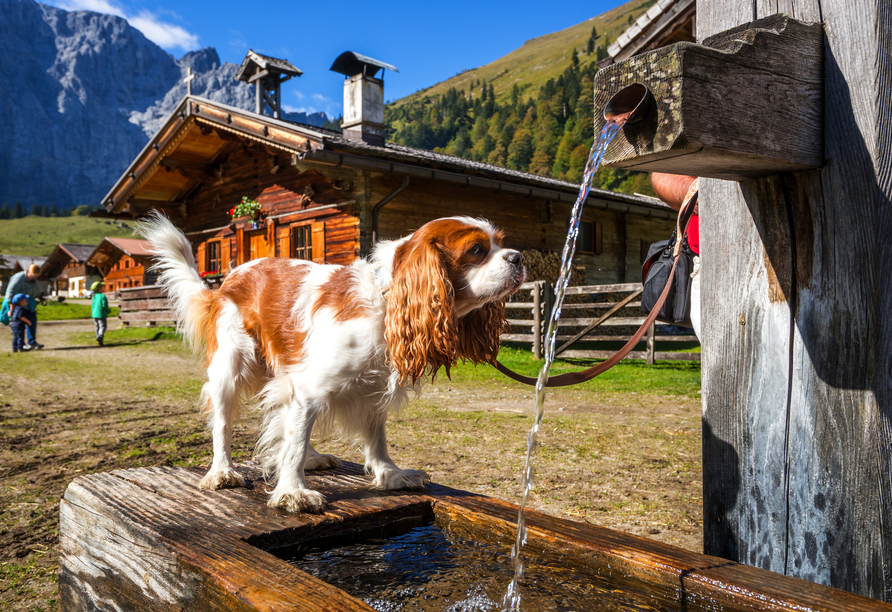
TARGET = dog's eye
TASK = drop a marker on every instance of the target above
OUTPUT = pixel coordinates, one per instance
(476, 250)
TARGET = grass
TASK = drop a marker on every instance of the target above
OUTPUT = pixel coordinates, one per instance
(678, 378)
(60, 311)
(541, 58)
(38, 236)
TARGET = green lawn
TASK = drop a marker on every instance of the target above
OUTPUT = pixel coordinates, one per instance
(38, 236)
(60, 311)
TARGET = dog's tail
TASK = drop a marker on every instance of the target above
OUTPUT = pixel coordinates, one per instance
(189, 297)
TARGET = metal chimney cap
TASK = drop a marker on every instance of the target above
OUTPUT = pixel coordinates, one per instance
(351, 64)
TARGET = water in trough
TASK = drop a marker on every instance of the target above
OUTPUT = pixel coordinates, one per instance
(430, 568)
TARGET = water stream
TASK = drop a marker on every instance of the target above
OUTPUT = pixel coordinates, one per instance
(511, 600)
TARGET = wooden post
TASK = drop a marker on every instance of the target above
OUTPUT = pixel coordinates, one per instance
(537, 319)
(797, 332)
(651, 343)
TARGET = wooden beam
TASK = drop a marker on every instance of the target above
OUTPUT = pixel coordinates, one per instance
(139, 207)
(257, 76)
(190, 169)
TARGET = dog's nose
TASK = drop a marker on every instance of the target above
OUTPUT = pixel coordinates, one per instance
(515, 259)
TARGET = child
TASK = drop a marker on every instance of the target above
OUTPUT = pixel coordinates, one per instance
(100, 310)
(18, 321)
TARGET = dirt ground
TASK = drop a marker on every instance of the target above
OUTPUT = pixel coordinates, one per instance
(629, 462)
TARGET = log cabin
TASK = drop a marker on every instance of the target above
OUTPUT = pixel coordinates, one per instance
(13, 264)
(328, 196)
(123, 263)
(67, 270)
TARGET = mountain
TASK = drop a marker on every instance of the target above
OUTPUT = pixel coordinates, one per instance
(542, 58)
(530, 110)
(80, 96)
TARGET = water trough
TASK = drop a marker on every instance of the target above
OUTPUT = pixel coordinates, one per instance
(148, 539)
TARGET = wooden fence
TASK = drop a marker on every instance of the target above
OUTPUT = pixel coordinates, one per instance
(588, 317)
(145, 305)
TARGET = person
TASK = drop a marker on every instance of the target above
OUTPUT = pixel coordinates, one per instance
(100, 310)
(672, 188)
(24, 283)
(19, 321)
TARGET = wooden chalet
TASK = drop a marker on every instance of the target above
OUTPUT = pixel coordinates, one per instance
(13, 264)
(123, 263)
(67, 270)
(328, 196)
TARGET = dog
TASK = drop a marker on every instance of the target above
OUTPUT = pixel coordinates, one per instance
(335, 346)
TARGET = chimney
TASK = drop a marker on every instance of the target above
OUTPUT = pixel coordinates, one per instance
(267, 74)
(363, 97)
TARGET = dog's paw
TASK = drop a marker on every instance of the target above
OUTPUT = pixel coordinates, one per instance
(401, 479)
(321, 462)
(298, 500)
(227, 478)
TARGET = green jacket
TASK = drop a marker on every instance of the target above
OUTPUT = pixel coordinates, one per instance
(19, 283)
(100, 306)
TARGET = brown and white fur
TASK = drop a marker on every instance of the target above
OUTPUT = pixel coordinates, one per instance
(336, 346)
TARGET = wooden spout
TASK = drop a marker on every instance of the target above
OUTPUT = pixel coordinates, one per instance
(745, 104)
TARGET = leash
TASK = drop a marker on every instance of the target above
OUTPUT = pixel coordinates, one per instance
(575, 378)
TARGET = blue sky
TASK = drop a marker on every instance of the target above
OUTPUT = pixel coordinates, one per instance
(427, 41)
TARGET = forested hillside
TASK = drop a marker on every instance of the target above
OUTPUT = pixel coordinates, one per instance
(546, 129)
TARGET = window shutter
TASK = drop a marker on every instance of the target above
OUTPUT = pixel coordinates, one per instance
(271, 238)
(202, 263)
(285, 244)
(318, 241)
(240, 246)
(225, 254)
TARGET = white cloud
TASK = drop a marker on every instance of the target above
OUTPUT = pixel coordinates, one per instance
(299, 95)
(160, 32)
(320, 98)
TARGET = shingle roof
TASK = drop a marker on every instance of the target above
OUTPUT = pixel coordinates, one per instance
(264, 62)
(132, 246)
(79, 252)
(9, 261)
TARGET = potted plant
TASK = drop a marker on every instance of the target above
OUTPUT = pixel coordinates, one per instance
(247, 208)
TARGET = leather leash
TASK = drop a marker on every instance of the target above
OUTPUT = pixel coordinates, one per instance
(574, 378)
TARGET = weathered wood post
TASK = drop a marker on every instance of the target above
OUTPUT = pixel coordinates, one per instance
(796, 293)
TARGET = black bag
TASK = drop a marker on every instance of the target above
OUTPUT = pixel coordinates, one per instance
(677, 308)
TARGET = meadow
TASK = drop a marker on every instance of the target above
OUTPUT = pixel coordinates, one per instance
(621, 451)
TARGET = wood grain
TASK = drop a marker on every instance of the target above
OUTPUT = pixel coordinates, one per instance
(745, 104)
(796, 370)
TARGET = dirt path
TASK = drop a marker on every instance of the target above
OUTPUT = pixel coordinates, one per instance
(629, 463)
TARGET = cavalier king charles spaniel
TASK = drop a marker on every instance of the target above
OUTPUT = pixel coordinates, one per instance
(336, 346)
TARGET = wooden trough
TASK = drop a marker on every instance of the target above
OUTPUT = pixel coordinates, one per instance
(149, 539)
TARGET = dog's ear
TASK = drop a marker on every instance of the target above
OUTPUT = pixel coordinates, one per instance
(420, 325)
(479, 333)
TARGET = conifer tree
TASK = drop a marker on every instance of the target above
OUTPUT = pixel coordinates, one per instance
(17, 210)
(594, 32)
(574, 59)
(590, 46)
(5, 211)
(54, 212)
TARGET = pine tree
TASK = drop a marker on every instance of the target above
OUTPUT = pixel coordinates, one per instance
(590, 46)
(5, 211)
(54, 212)
(574, 59)
(45, 211)
(594, 32)
(17, 210)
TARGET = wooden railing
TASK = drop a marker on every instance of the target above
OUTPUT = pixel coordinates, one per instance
(145, 305)
(588, 317)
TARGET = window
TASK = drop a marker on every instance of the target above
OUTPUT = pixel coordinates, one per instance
(589, 239)
(212, 257)
(302, 242)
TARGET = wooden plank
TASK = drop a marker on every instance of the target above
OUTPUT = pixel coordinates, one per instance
(156, 316)
(139, 293)
(601, 320)
(797, 447)
(147, 304)
(600, 289)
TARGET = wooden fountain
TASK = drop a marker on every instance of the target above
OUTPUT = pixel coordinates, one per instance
(148, 539)
(788, 124)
